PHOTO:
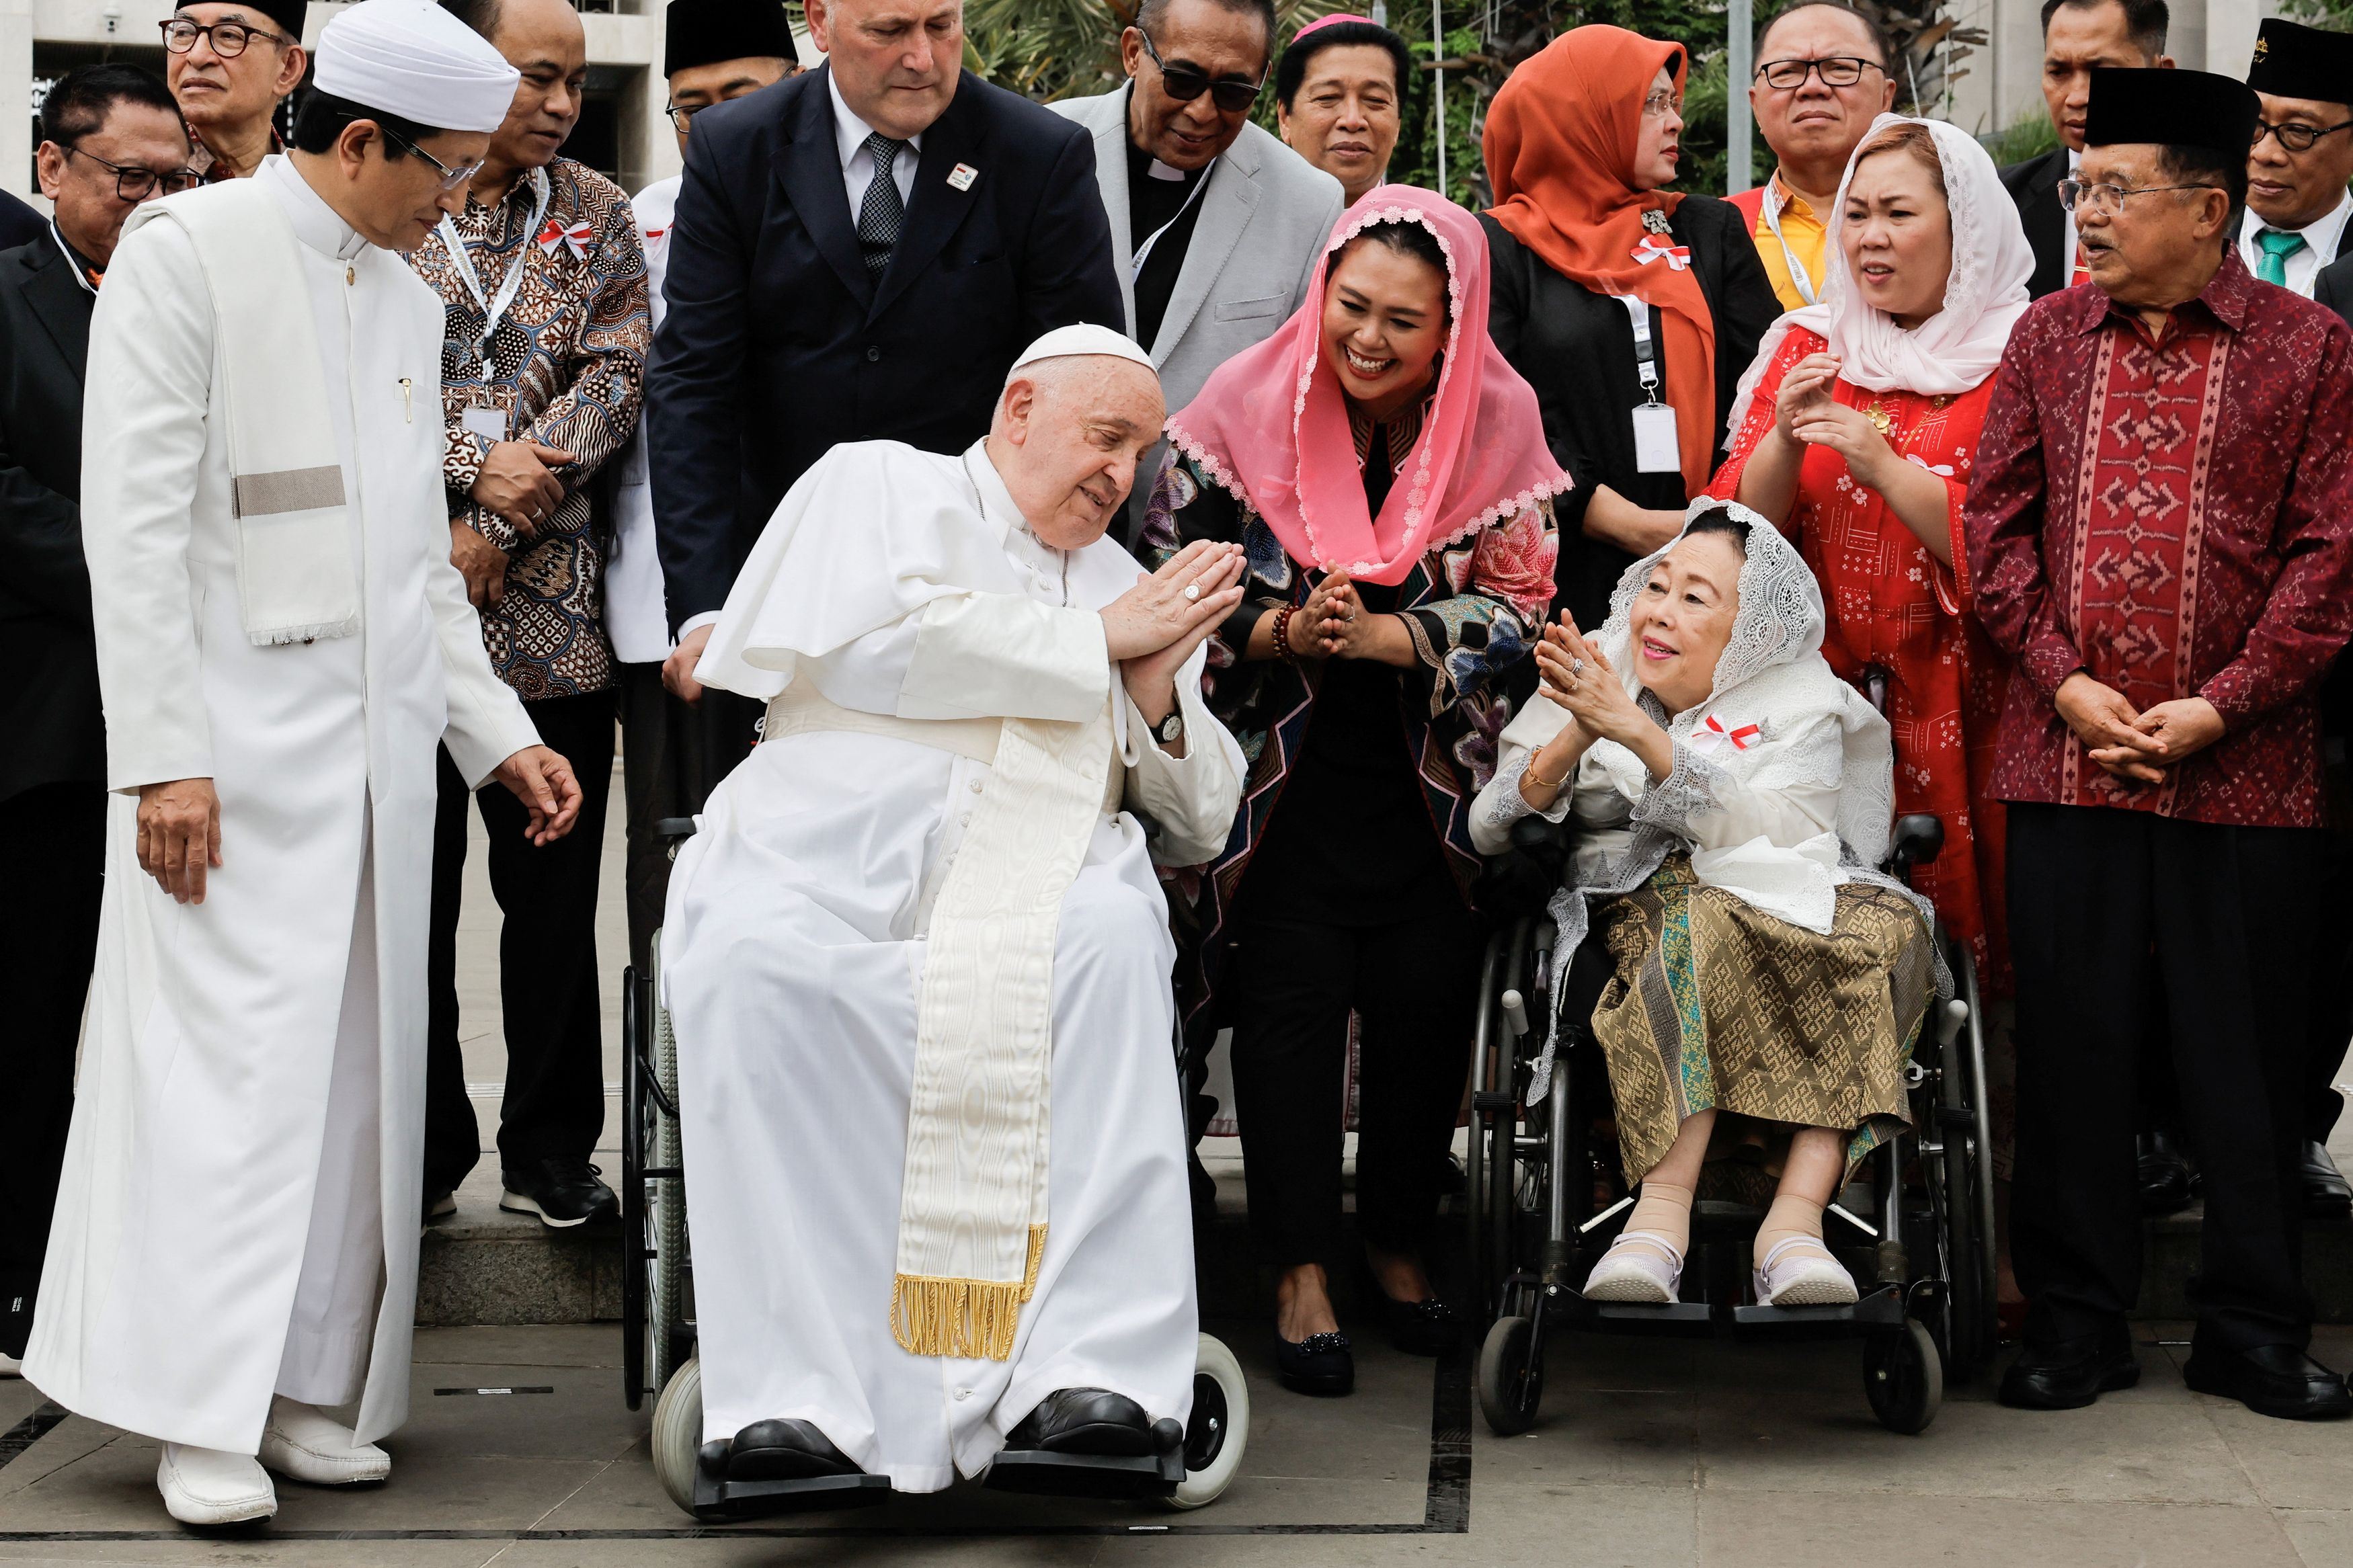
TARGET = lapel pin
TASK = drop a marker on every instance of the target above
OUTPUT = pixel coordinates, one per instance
(962, 177)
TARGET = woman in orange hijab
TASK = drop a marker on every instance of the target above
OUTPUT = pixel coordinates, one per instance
(1579, 142)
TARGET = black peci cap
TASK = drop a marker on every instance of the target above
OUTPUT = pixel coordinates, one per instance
(2296, 62)
(699, 32)
(2170, 108)
(288, 14)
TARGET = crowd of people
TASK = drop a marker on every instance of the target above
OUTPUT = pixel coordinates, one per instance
(1106, 575)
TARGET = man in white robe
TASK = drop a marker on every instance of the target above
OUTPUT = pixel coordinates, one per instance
(966, 679)
(282, 643)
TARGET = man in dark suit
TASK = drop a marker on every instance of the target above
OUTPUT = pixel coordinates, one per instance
(859, 254)
(111, 139)
(2078, 37)
(19, 223)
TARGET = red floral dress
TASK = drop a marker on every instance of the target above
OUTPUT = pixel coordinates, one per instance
(1893, 605)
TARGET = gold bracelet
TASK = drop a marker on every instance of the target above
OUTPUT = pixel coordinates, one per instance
(1530, 773)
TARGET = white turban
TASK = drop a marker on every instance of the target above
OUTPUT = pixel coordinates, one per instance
(412, 58)
(1064, 342)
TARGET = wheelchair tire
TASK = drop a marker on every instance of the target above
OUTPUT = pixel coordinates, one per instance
(668, 1307)
(1511, 1376)
(1219, 1431)
(1903, 1378)
(678, 1432)
(633, 1193)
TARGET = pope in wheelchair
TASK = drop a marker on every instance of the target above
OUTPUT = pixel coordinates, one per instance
(917, 962)
(1761, 982)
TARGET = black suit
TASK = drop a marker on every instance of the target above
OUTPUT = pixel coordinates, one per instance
(2034, 186)
(2333, 285)
(19, 223)
(2332, 998)
(53, 768)
(778, 345)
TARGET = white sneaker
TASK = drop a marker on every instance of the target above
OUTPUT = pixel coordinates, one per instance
(304, 1442)
(205, 1485)
(1801, 1272)
(1641, 1267)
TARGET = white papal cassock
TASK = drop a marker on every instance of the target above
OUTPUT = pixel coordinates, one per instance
(897, 586)
(240, 1209)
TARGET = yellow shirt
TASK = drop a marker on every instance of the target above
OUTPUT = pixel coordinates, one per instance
(1805, 233)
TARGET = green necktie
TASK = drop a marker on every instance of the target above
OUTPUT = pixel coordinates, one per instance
(2277, 246)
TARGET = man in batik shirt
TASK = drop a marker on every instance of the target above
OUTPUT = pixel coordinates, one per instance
(2160, 532)
(547, 330)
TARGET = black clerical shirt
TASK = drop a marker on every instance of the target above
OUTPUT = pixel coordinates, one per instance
(1153, 202)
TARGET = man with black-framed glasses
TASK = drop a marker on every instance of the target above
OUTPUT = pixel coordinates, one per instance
(2302, 162)
(1216, 226)
(230, 63)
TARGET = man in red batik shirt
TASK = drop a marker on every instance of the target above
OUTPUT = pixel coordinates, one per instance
(2160, 530)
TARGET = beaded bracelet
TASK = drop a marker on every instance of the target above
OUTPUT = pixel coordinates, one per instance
(1283, 632)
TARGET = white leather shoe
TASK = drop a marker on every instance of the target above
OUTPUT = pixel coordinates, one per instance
(1801, 1272)
(304, 1442)
(1641, 1267)
(205, 1485)
(11, 1367)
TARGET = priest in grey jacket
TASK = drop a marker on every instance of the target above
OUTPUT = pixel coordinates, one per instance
(1214, 224)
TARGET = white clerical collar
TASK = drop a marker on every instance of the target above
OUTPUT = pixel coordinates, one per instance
(1051, 567)
(2322, 236)
(316, 224)
(849, 133)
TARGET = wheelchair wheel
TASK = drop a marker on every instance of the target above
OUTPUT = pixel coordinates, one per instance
(1511, 1376)
(1903, 1378)
(633, 1193)
(655, 1307)
(1966, 1178)
(1218, 1432)
(678, 1432)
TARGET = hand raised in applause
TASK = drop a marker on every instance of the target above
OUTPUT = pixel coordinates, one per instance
(1576, 676)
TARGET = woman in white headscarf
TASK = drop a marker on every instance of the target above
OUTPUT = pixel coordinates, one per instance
(1731, 795)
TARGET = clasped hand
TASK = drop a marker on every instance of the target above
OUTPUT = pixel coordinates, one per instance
(2135, 746)
(1153, 628)
(1576, 676)
(1333, 622)
(1806, 414)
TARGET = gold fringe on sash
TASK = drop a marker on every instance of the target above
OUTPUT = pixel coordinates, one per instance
(969, 1319)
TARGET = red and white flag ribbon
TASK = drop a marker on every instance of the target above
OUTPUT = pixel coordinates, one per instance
(577, 235)
(1740, 738)
(1654, 247)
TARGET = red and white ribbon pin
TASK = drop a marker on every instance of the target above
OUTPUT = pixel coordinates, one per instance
(576, 236)
(1654, 247)
(1739, 738)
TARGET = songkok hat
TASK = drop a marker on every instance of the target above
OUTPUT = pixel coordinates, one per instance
(1067, 342)
(412, 58)
(699, 32)
(2166, 109)
(2296, 62)
(288, 14)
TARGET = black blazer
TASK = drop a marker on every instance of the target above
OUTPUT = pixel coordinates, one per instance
(2034, 186)
(778, 344)
(2333, 285)
(19, 223)
(49, 662)
(1576, 348)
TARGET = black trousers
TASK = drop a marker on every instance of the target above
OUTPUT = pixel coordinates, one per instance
(547, 960)
(1289, 987)
(2331, 1027)
(2108, 908)
(673, 754)
(54, 836)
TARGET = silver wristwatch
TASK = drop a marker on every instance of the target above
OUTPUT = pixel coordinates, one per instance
(1171, 729)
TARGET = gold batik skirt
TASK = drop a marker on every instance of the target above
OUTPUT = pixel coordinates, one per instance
(1713, 1004)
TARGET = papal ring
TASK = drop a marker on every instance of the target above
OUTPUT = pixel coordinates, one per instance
(1192, 590)
(1577, 666)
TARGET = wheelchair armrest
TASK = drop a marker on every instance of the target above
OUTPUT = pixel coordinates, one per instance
(1540, 833)
(1919, 839)
(672, 829)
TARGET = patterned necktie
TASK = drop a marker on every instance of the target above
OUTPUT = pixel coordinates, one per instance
(2277, 246)
(883, 214)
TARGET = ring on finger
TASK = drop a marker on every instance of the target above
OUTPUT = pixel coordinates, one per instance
(1192, 590)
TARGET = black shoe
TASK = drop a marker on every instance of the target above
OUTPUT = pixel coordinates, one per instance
(1090, 1421)
(441, 1207)
(1428, 1326)
(2271, 1379)
(564, 1191)
(2327, 1194)
(1320, 1363)
(2066, 1375)
(776, 1451)
(2167, 1182)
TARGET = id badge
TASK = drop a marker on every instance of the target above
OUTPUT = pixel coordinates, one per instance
(1656, 450)
(491, 424)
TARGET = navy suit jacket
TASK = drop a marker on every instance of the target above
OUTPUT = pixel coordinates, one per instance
(776, 344)
(2034, 186)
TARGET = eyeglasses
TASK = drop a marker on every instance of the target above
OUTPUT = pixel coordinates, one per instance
(679, 113)
(1841, 70)
(133, 183)
(1661, 102)
(2294, 137)
(1185, 83)
(2109, 200)
(451, 178)
(228, 38)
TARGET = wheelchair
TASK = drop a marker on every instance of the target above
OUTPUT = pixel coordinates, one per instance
(1923, 1238)
(658, 1340)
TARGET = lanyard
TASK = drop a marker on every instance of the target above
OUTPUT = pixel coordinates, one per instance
(1135, 268)
(1645, 357)
(1799, 279)
(494, 309)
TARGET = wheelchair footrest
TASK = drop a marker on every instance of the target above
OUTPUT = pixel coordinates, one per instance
(718, 1500)
(1881, 1308)
(1040, 1472)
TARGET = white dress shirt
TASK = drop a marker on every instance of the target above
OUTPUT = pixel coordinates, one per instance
(849, 134)
(2067, 217)
(2321, 238)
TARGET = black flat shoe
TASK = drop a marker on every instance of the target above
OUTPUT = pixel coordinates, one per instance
(1087, 1421)
(1428, 1326)
(2067, 1374)
(2168, 1181)
(2271, 1379)
(776, 1451)
(2327, 1194)
(1320, 1363)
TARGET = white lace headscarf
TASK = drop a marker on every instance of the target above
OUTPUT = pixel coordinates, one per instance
(1985, 294)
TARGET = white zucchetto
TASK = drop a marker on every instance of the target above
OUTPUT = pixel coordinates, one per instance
(412, 58)
(1064, 342)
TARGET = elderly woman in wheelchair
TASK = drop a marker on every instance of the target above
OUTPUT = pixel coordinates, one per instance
(1730, 797)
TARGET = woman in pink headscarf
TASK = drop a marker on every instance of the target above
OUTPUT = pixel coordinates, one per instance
(1386, 473)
